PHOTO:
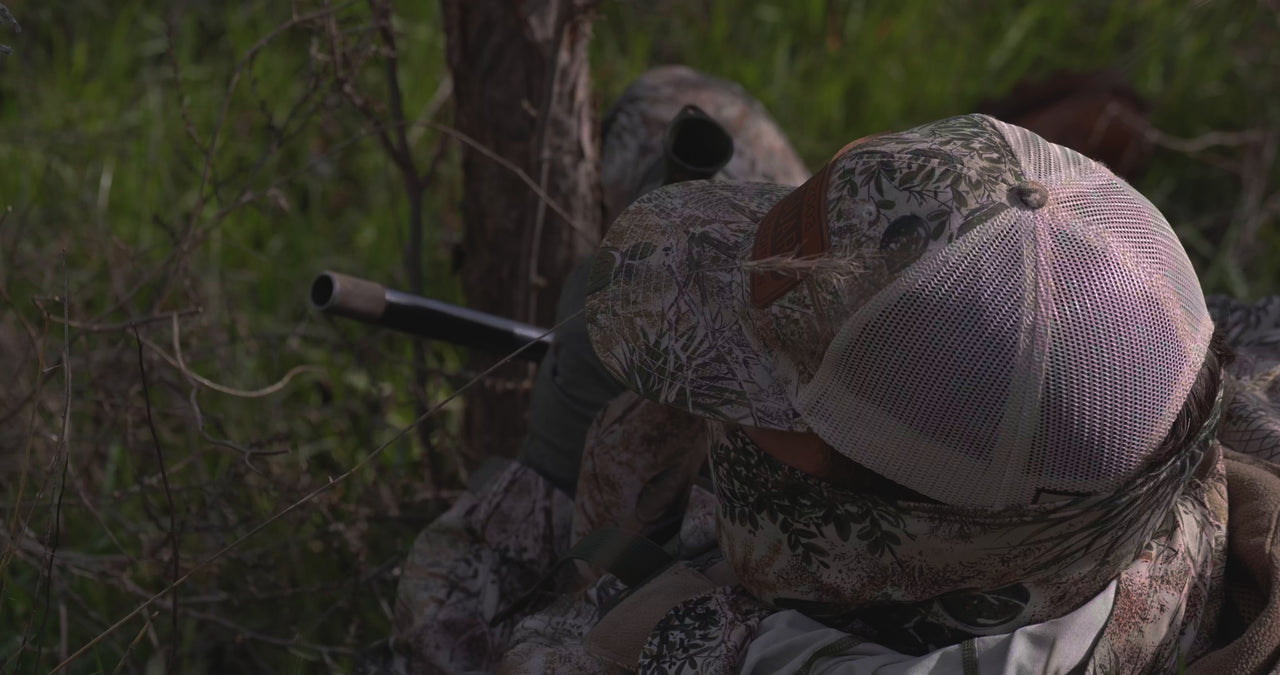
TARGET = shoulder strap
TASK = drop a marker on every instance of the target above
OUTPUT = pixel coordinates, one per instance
(621, 634)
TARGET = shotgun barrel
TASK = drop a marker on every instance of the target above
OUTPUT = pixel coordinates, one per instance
(694, 147)
(373, 303)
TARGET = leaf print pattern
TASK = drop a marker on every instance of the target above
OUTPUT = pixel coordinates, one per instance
(1165, 610)
(478, 557)
(916, 576)
(1251, 424)
(705, 634)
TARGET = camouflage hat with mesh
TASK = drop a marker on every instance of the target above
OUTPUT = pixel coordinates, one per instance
(969, 310)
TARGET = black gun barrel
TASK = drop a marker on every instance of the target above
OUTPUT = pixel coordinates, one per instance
(694, 146)
(373, 303)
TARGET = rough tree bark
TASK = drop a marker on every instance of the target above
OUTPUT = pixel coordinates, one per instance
(522, 91)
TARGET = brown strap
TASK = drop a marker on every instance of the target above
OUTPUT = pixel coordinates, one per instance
(1253, 554)
(621, 634)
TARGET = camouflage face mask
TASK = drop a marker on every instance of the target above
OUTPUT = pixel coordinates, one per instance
(916, 576)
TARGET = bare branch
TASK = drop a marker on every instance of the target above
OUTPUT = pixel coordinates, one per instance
(401, 433)
(168, 495)
(176, 362)
(120, 326)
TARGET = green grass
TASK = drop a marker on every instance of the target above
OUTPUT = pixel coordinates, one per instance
(98, 163)
(869, 67)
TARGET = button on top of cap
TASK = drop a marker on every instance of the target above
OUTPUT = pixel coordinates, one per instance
(1031, 194)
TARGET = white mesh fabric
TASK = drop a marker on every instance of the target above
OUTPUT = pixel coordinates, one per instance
(1042, 160)
(1044, 354)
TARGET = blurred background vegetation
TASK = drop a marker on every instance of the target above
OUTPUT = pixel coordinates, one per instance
(174, 174)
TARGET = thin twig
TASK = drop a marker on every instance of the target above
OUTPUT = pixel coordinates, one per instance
(183, 103)
(244, 631)
(334, 481)
(1258, 163)
(339, 57)
(176, 362)
(534, 242)
(120, 326)
(246, 453)
(581, 229)
(168, 495)
(138, 638)
(28, 439)
(835, 264)
(577, 226)
(97, 515)
(190, 238)
(65, 455)
(442, 94)
(400, 151)
(1190, 146)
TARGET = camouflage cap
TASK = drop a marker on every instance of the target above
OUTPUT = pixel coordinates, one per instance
(963, 291)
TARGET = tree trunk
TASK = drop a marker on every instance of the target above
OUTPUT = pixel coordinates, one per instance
(521, 90)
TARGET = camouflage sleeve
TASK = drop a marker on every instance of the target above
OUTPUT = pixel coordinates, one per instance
(571, 388)
(1251, 423)
(553, 639)
(640, 461)
(486, 551)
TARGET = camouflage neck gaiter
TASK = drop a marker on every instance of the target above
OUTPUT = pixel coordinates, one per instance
(916, 577)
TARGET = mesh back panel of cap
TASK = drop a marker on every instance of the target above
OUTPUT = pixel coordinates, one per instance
(1044, 354)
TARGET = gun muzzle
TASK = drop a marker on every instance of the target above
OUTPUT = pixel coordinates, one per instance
(694, 146)
(373, 303)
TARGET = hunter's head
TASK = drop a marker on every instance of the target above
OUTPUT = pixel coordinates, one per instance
(959, 362)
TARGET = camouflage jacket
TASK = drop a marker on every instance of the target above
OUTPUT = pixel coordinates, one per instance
(486, 556)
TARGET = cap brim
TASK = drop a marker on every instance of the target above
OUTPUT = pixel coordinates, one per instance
(668, 298)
